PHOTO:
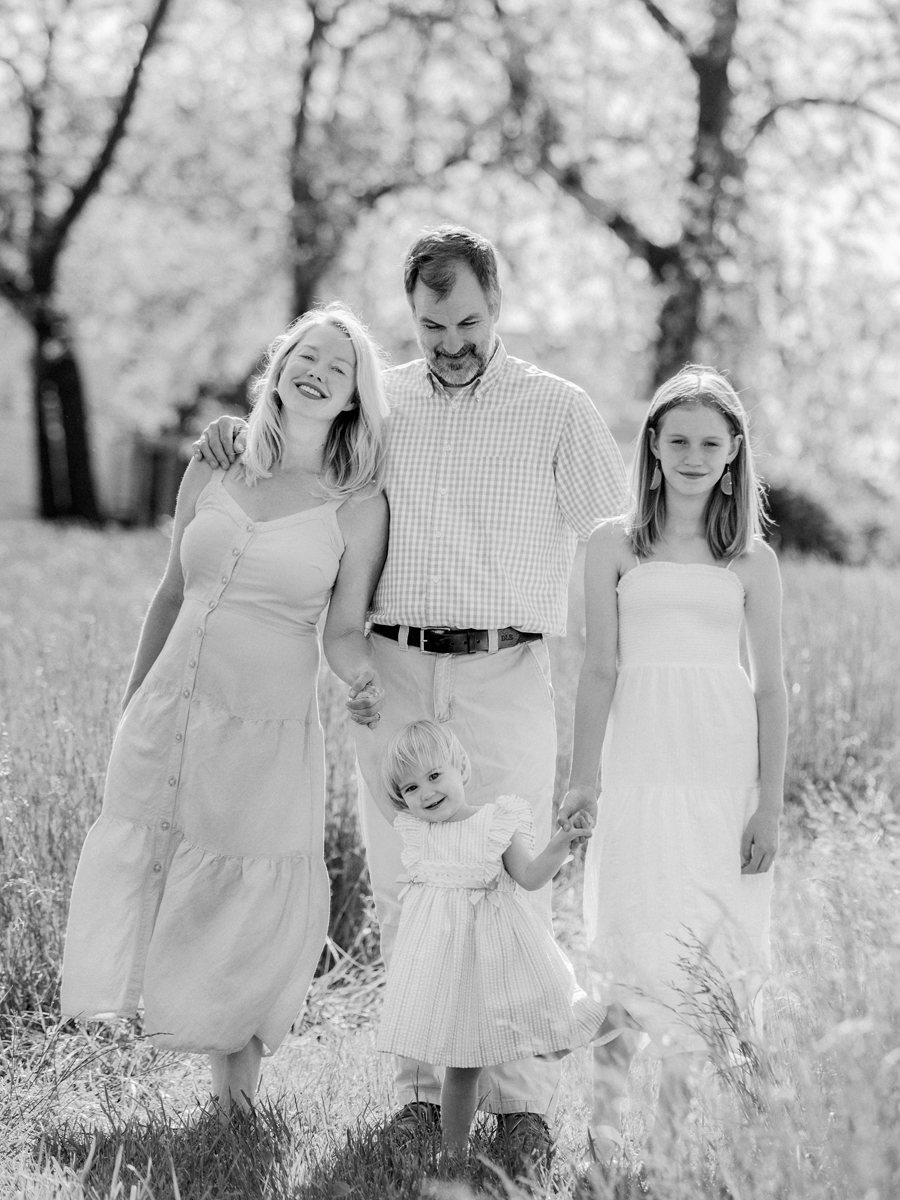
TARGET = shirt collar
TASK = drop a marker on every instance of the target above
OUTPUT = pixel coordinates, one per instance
(483, 384)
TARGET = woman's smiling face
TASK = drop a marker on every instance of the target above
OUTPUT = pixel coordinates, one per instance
(319, 376)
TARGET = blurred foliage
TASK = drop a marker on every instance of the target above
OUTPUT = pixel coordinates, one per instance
(221, 197)
(801, 525)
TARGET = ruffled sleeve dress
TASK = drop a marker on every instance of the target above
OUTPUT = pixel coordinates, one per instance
(201, 895)
(475, 978)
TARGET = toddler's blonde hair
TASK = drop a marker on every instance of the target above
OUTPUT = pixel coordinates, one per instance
(417, 745)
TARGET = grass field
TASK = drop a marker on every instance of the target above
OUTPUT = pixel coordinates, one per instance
(103, 1115)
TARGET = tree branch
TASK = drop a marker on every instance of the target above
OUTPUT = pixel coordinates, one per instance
(11, 290)
(83, 191)
(667, 26)
(313, 43)
(371, 196)
(658, 258)
(768, 118)
(547, 129)
(569, 178)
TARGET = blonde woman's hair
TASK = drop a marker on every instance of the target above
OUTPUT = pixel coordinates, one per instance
(355, 448)
(417, 745)
(732, 522)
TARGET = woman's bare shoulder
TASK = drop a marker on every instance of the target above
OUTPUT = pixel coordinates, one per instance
(197, 475)
(361, 516)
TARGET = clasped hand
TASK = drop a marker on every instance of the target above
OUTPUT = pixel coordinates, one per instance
(366, 695)
(578, 810)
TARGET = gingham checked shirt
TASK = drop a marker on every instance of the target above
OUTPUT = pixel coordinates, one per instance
(489, 491)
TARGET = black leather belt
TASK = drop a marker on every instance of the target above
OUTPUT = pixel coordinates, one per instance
(457, 641)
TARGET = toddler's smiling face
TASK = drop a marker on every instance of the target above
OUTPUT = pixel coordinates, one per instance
(435, 792)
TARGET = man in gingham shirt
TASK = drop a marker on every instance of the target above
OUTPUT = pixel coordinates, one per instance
(495, 470)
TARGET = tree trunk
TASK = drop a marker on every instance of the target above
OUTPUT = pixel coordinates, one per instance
(679, 325)
(66, 485)
(317, 234)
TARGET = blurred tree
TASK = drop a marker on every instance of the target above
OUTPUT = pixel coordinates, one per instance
(349, 148)
(60, 74)
(369, 121)
(705, 89)
(342, 106)
(285, 151)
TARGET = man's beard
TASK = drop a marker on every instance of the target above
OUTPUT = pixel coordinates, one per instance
(457, 370)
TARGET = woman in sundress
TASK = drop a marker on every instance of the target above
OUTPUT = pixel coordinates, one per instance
(201, 896)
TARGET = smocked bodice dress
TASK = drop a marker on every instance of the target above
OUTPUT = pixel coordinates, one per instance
(202, 885)
(475, 978)
(680, 772)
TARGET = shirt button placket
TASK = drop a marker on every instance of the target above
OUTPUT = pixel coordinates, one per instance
(439, 507)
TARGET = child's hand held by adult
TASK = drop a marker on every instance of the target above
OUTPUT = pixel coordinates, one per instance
(579, 800)
(579, 806)
(365, 697)
(574, 833)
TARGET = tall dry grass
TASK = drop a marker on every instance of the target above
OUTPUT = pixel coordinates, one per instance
(842, 653)
(102, 1115)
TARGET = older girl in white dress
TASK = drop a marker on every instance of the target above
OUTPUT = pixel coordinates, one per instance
(692, 749)
(475, 978)
(201, 896)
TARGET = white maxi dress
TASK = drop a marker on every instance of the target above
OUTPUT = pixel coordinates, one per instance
(665, 900)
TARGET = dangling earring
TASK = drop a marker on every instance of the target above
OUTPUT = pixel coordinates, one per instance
(657, 477)
(725, 483)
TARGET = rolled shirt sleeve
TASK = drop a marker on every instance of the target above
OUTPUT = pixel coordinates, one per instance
(590, 473)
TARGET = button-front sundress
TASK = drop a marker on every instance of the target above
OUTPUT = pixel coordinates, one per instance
(680, 778)
(475, 978)
(201, 894)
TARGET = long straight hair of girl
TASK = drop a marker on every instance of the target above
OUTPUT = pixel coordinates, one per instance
(733, 522)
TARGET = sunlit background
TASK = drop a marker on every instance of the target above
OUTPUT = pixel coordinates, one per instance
(716, 182)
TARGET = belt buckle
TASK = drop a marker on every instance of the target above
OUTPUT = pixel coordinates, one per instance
(423, 640)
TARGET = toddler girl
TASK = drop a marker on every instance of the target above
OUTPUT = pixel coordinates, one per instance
(692, 749)
(475, 978)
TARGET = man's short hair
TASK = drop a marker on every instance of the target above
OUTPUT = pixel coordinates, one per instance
(434, 256)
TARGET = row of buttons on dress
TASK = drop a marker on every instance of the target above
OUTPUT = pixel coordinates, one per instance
(193, 663)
